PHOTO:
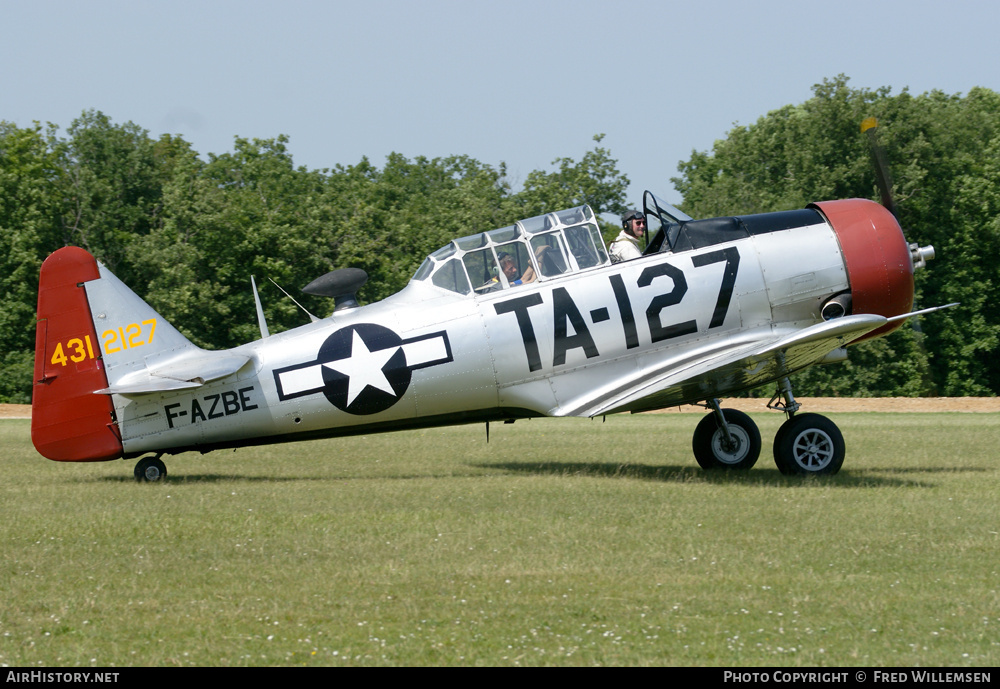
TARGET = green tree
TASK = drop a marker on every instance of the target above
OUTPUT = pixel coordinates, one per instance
(177, 278)
(594, 180)
(241, 214)
(939, 148)
(971, 249)
(111, 187)
(389, 220)
(28, 232)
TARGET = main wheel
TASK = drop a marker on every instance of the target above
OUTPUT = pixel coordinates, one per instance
(809, 444)
(713, 452)
(150, 469)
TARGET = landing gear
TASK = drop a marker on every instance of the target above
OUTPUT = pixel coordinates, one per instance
(150, 469)
(726, 439)
(808, 444)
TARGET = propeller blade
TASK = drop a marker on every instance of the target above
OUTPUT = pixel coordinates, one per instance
(869, 126)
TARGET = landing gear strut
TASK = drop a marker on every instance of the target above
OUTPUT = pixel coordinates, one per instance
(726, 439)
(807, 444)
(150, 469)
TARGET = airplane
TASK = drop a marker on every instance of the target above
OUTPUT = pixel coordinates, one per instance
(530, 320)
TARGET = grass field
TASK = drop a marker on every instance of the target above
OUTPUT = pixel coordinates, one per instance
(561, 542)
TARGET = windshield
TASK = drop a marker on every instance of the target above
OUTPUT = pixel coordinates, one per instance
(662, 221)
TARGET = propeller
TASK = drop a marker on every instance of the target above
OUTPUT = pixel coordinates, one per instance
(919, 254)
(869, 127)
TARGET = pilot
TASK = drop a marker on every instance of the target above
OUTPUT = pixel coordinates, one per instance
(625, 247)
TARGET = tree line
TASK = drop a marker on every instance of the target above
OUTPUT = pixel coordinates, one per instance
(944, 155)
(186, 232)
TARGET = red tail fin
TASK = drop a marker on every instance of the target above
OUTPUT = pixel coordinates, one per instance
(68, 421)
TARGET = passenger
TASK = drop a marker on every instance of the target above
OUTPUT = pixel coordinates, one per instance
(625, 247)
(509, 269)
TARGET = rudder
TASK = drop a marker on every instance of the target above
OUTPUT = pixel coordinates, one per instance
(68, 421)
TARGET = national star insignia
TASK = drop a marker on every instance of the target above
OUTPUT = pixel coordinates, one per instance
(363, 368)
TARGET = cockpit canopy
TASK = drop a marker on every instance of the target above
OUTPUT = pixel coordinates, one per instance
(538, 248)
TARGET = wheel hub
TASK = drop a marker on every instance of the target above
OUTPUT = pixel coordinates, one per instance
(731, 452)
(815, 449)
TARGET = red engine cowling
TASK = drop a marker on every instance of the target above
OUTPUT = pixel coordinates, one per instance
(877, 256)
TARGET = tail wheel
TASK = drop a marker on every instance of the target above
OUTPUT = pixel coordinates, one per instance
(150, 470)
(714, 451)
(809, 444)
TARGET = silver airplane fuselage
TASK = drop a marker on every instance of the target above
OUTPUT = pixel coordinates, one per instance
(710, 310)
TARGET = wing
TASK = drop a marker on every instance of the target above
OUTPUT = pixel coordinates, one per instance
(719, 368)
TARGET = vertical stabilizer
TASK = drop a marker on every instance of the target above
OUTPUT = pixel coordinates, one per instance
(68, 421)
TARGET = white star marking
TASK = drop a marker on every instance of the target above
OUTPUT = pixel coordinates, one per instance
(363, 368)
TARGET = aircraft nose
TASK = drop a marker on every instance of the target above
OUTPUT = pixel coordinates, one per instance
(876, 255)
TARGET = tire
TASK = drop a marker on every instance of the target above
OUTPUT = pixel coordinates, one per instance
(150, 470)
(810, 445)
(709, 439)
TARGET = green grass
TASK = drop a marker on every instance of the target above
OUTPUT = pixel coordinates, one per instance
(561, 542)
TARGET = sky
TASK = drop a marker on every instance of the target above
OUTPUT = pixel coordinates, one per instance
(520, 81)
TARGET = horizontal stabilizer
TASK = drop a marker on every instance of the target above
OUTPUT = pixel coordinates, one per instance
(191, 370)
(95, 337)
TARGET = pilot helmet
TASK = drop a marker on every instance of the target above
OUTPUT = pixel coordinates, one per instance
(630, 215)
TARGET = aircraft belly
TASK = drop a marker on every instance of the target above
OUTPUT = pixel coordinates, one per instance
(468, 383)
